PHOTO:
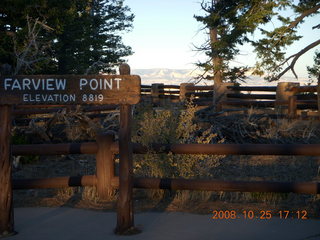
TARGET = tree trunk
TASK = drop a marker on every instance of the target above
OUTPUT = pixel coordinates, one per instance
(217, 61)
(217, 68)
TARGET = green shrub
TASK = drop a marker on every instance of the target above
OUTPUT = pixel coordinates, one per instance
(170, 125)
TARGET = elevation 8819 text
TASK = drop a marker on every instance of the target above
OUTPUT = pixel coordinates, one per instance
(92, 98)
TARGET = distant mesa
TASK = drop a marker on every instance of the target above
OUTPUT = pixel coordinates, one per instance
(178, 76)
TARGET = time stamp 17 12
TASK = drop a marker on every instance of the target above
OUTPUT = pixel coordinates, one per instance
(260, 215)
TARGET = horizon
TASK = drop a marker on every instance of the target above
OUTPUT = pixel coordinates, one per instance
(178, 76)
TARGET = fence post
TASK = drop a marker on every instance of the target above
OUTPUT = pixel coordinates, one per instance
(292, 107)
(125, 218)
(104, 165)
(155, 94)
(283, 93)
(6, 205)
(184, 90)
(220, 94)
(124, 69)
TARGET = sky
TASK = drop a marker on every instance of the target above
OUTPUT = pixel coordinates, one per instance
(165, 32)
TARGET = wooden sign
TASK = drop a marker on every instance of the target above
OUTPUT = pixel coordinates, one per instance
(70, 89)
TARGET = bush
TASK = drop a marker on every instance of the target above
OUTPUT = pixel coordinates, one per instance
(170, 125)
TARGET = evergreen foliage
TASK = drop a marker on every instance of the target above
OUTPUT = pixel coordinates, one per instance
(271, 48)
(63, 37)
(236, 21)
(233, 21)
(314, 71)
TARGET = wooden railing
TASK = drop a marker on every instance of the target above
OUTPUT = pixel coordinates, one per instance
(102, 148)
(105, 148)
(272, 97)
(106, 180)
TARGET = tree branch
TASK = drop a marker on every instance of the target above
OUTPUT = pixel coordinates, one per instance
(295, 58)
(317, 26)
(303, 15)
(29, 53)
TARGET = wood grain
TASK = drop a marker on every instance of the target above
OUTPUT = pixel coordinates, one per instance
(125, 219)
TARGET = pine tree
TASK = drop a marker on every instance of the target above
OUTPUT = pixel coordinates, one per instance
(229, 23)
(75, 36)
(235, 20)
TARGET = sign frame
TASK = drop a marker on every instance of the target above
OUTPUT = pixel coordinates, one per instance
(69, 89)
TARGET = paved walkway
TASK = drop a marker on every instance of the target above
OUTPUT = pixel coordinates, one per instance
(78, 224)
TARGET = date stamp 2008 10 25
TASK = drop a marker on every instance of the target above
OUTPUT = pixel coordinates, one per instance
(261, 215)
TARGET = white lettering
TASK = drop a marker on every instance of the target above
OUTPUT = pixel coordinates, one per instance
(50, 84)
(6, 84)
(107, 83)
(44, 97)
(96, 84)
(16, 84)
(61, 84)
(43, 83)
(118, 82)
(65, 98)
(26, 83)
(83, 82)
(50, 98)
(36, 86)
(72, 98)
(56, 97)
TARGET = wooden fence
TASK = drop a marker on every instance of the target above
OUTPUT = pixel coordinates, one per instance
(290, 96)
(289, 99)
(106, 181)
(105, 148)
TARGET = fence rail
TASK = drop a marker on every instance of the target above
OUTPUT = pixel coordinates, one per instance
(174, 184)
(109, 181)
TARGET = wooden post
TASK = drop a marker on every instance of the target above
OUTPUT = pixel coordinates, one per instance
(220, 94)
(6, 205)
(125, 221)
(284, 91)
(155, 95)
(292, 107)
(104, 166)
(124, 69)
(125, 218)
(184, 90)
